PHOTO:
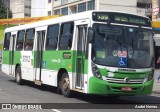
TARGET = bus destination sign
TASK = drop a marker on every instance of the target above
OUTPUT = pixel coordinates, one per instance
(129, 20)
(122, 18)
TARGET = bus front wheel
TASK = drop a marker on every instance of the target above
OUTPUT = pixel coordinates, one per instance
(113, 96)
(18, 76)
(65, 85)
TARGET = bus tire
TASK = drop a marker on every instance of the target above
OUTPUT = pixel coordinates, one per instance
(114, 96)
(18, 76)
(65, 85)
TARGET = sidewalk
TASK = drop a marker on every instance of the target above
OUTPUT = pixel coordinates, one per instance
(156, 86)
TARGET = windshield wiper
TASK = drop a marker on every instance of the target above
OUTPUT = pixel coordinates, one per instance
(132, 46)
(105, 38)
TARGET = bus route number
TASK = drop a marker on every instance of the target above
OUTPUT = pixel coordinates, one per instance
(102, 17)
(26, 59)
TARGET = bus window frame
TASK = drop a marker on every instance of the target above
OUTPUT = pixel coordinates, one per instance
(26, 46)
(69, 47)
(22, 40)
(57, 36)
(5, 42)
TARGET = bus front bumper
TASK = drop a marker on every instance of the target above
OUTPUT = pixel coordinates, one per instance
(99, 86)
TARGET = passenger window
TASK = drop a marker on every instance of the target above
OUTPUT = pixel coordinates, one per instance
(52, 37)
(20, 39)
(7, 41)
(29, 39)
(66, 36)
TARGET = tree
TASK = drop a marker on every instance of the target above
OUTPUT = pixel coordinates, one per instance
(3, 11)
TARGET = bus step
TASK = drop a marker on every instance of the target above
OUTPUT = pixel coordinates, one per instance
(38, 82)
(78, 90)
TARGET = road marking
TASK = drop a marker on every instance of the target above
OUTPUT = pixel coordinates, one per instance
(56, 110)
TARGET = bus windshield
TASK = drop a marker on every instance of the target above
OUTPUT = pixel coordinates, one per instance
(119, 46)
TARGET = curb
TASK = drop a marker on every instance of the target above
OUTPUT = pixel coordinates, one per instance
(156, 92)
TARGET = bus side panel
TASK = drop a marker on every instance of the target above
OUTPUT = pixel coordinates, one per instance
(5, 62)
(53, 61)
(27, 66)
(49, 77)
(17, 57)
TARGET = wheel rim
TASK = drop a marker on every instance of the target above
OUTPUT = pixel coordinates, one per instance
(65, 84)
(17, 77)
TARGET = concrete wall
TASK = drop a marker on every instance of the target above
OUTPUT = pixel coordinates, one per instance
(49, 7)
(38, 8)
(18, 8)
(118, 5)
(63, 2)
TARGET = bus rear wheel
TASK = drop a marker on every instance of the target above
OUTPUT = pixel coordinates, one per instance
(65, 85)
(19, 80)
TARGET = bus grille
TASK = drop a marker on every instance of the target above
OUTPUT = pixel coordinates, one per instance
(125, 80)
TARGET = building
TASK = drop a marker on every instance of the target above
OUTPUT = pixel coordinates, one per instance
(38, 8)
(49, 7)
(65, 7)
(20, 8)
(6, 3)
(41, 8)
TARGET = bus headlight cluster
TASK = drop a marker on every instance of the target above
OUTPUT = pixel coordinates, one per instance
(150, 77)
(95, 71)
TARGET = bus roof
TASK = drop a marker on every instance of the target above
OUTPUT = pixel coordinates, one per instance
(67, 18)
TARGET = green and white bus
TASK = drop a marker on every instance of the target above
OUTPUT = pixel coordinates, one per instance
(93, 52)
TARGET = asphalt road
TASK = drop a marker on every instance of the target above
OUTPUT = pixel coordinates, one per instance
(10, 92)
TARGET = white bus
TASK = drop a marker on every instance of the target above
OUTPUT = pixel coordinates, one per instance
(93, 52)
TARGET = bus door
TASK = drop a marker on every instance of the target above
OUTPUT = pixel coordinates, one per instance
(11, 54)
(80, 61)
(38, 56)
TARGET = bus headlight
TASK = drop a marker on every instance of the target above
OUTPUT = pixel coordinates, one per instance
(151, 74)
(95, 71)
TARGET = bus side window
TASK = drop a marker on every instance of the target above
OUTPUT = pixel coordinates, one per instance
(20, 40)
(7, 41)
(29, 39)
(66, 36)
(52, 37)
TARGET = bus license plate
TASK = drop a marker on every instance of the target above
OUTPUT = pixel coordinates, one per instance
(126, 89)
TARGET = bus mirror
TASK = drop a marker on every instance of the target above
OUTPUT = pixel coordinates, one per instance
(90, 34)
(89, 40)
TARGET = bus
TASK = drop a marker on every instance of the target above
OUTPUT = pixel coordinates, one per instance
(93, 52)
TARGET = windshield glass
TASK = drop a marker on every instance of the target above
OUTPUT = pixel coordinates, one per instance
(120, 46)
